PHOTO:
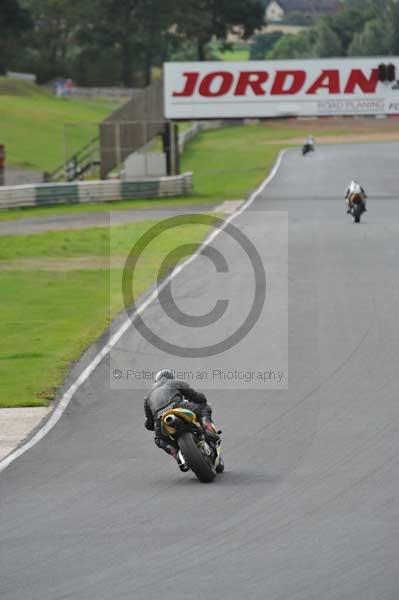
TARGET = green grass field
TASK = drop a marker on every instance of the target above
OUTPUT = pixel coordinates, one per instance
(237, 52)
(95, 207)
(227, 163)
(234, 55)
(57, 297)
(52, 311)
(38, 129)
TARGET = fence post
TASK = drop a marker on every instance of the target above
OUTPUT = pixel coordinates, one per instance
(166, 139)
(118, 145)
(65, 143)
(176, 149)
(2, 163)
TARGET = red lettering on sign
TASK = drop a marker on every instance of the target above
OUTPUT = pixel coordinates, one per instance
(225, 82)
(358, 78)
(288, 82)
(251, 80)
(189, 87)
(329, 79)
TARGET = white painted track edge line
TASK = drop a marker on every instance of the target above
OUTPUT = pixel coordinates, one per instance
(67, 396)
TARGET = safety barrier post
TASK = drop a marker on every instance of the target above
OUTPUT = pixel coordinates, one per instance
(2, 163)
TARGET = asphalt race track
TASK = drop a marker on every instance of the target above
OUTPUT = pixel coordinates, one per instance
(308, 507)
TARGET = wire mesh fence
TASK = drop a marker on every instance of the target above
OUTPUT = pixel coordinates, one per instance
(150, 148)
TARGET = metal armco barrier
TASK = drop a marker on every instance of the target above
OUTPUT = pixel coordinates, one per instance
(2, 163)
(94, 191)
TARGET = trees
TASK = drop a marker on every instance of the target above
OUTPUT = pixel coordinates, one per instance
(380, 35)
(263, 43)
(95, 41)
(113, 42)
(371, 41)
(360, 28)
(132, 34)
(292, 46)
(142, 33)
(202, 20)
(13, 21)
(47, 46)
(392, 21)
(349, 21)
(327, 41)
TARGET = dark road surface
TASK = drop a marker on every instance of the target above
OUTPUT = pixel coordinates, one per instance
(308, 508)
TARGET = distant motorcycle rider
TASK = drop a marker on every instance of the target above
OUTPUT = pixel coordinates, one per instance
(167, 391)
(308, 145)
(310, 141)
(354, 188)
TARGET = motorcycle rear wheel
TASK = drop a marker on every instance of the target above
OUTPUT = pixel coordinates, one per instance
(195, 459)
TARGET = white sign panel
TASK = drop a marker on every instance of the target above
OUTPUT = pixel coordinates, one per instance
(223, 90)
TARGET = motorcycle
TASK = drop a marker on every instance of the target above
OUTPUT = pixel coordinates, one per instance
(357, 206)
(307, 148)
(182, 426)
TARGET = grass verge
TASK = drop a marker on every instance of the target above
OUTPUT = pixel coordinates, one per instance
(38, 129)
(227, 163)
(95, 207)
(50, 314)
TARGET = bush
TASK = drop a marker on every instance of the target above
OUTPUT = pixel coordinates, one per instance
(292, 46)
(298, 18)
(262, 44)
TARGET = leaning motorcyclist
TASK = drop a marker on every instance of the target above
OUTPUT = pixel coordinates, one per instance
(354, 188)
(310, 141)
(309, 145)
(167, 391)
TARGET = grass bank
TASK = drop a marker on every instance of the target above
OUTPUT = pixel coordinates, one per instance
(54, 308)
(228, 163)
(38, 128)
(71, 209)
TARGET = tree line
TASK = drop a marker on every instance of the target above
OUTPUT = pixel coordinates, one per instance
(122, 42)
(115, 42)
(360, 28)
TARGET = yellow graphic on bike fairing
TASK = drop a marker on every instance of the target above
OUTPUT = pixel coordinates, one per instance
(183, 413)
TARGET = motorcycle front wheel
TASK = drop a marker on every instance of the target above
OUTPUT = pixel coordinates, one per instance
(357, 213)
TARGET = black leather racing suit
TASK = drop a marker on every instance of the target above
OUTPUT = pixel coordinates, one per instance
(174, 392)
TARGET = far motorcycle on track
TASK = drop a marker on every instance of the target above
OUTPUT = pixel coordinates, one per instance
(307, 148)
(308, 145)
(201, 457)
(357, 206)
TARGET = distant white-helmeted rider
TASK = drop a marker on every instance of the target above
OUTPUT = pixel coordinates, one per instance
(308, 145)
(310, 141)
(165, 391)
(353, 189)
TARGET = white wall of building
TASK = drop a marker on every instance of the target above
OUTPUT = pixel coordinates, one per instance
(274, 12)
